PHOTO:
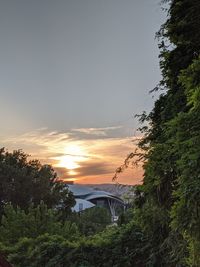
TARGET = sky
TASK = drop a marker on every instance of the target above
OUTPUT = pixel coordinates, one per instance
(73, 73)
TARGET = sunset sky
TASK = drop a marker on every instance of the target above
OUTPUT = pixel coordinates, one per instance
(73, 75)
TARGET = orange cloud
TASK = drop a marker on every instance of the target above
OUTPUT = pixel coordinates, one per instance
(80, 159)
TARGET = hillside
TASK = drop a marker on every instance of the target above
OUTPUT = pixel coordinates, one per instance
(116, 189)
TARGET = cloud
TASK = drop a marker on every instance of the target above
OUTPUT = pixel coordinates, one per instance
(97, 168)
(86, 169)
(97, 131)
(96, 158)
(40, 139)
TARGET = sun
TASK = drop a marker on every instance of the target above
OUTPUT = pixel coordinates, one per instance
(72, 157)
(69, 162)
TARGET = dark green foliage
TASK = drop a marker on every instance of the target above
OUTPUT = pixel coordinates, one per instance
(17, 223)
(168, 202)
(91, 221)
(38, 237)
(186, 210)
(23, 182)
(113, 247)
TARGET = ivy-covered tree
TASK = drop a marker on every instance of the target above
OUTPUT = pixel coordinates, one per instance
(185, 132)
(168, 206)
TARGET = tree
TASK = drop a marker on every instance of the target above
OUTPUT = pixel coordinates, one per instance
(17, 224)
(171, 142)
(23, 182)
(91, 221)
(185, 129)
(167, 204)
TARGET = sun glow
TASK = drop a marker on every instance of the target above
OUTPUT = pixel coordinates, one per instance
(74, 149)
(68, 162)
(73, 172)
(73, 155)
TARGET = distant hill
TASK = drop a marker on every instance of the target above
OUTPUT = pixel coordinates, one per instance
(116, 189)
